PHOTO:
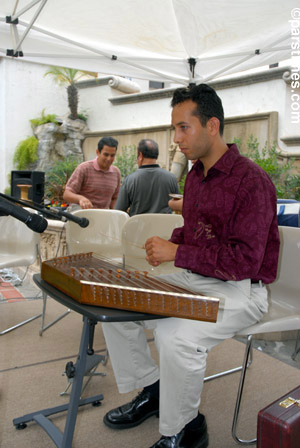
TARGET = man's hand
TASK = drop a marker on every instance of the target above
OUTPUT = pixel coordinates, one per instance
(159, 250)
(85, 203)
(74, 198)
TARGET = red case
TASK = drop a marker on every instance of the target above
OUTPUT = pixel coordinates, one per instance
(278, 424)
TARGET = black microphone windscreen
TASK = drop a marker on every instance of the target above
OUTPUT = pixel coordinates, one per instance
(84, 222)
(36, 223)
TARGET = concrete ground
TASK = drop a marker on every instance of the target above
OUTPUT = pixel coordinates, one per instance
(12, 288)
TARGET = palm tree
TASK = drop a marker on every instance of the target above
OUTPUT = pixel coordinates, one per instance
(63, 76)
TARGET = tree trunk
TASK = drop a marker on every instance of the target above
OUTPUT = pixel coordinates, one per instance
(73, 101)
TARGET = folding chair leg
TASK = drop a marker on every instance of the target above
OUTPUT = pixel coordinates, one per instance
(31, 318)
(228, 372)
(20, 324)
(248, 351)
(43, 326)
(297, 346)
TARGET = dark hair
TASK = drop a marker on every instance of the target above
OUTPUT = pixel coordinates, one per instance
(108, 141)
(149, 148)
(208, 102)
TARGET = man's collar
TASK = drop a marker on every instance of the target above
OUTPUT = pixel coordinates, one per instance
(97, 167)
(225, 162)
(151, 165)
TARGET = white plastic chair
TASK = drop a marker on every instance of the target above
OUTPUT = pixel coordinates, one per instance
(288, 214)
(102, 236)
(284, 293)
(19, 246)
(138, 229)
(284, 309)
(284, 300)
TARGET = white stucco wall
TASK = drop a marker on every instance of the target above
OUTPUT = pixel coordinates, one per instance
(24, 93)
(273, 95)
(103, 115)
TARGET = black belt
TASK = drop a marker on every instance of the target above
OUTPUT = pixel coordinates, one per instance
(257, 282)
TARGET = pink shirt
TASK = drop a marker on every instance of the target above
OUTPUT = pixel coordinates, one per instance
(230, 227)
(100, 187)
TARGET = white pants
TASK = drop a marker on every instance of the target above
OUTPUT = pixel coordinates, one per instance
(182, 344)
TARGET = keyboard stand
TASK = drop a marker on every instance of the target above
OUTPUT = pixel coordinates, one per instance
(91, 315)
(65, 440)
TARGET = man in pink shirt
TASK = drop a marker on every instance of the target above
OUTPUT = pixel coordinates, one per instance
(96, 183)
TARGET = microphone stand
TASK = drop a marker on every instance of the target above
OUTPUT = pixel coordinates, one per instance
(44, 210)
(55, 214)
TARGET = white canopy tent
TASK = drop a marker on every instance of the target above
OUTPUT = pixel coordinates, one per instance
(181, 41)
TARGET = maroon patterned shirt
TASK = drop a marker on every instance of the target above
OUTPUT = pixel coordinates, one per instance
(230, 227)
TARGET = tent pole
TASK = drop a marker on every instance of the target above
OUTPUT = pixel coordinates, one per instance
(25, 9)
(249, 56)
(37, 13)
(106, 54)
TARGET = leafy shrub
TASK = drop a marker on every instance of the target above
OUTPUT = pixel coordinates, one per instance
(7, 190)
(181, 184)
(287, 184)
(126, 161)
(43, 119)
(293, 187)
(26, 153)
(57, 176)
(83, 115)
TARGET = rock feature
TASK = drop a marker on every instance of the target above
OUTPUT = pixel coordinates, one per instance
(56, 142)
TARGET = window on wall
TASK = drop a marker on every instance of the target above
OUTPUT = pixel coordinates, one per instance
(156, 85)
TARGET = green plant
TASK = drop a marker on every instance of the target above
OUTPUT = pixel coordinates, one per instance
(57, 176)
(26, 153)
(293, 187)
(126, 161)
(43, 119)
(83, 115)
(7, 190)
(286, 184)
(181, 184)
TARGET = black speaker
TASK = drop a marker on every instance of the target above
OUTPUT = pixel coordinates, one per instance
(36, 179)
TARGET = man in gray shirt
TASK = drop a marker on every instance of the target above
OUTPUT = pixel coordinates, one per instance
(147, 189)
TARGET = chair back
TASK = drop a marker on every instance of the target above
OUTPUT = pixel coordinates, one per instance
(138, 229)
(284, 292)
(102, 236)
(18, 243)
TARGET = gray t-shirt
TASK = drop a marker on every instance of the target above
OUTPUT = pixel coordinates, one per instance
(147, 191)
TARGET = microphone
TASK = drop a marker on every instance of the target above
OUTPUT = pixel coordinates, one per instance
(32, 220)
(83, 222)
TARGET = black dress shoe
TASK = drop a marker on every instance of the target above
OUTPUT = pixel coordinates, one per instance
(132, 414)
(186, 438)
